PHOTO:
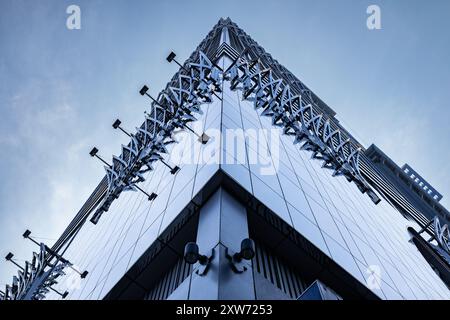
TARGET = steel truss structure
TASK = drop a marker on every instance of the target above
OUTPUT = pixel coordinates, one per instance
(179, 104)
(173, 109)
(437, 255)
(298, 118)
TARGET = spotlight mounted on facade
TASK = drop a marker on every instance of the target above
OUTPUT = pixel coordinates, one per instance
(116, 125)
(239, 58)
(93, 153)
(171, 57)
(173, 170)
(192, 256)
(63, 295)
(144, 92)
(26, 234)
(247, 253)
(203, 138)
(152, 196)
(38, 275)
(247, 250)
(9, 257)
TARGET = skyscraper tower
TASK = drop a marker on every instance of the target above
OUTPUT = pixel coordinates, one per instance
(242, 184)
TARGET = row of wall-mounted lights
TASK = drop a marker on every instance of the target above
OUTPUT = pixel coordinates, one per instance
(144, 91)
(47, 254)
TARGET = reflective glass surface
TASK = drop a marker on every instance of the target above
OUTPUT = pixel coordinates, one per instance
(329, 211)
(366, 239)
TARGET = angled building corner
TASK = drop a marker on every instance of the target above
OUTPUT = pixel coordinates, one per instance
(265, 196)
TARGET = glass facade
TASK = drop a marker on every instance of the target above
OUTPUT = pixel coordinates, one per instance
(330, 212)
(363, 238)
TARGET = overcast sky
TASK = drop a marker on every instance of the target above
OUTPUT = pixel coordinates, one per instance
(61, 89)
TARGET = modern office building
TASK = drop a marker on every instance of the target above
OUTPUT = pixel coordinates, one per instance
(260, 157)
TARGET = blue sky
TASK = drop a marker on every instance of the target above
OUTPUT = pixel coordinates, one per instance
(61, 89)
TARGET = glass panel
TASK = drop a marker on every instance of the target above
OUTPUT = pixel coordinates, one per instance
(272, 200)
(308, 229)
